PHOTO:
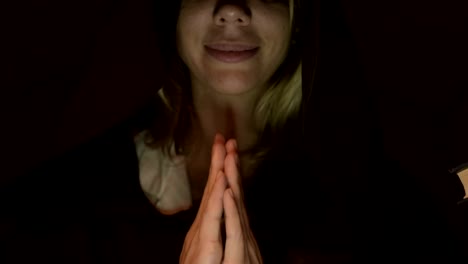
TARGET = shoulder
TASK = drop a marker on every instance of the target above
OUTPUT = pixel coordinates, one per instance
(163, 176)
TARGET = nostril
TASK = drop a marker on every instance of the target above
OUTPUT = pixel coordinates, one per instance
(232, 13)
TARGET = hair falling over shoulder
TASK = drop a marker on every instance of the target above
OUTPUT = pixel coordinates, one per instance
(280, 103)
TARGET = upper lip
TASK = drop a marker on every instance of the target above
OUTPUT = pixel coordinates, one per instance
(231, 46)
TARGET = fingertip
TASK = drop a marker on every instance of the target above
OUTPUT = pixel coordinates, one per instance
(219, 138)
(234, 143)
(218, 153)
(231, 145)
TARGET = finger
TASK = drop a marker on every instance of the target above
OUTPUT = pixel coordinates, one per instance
(231, 169)
(218, 154)
(231, 145)
(211, 217)
(234, 251)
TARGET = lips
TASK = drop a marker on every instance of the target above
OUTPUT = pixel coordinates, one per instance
(231, 53)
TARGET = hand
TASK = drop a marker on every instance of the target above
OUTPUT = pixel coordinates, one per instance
(203, 241)
(241, 246)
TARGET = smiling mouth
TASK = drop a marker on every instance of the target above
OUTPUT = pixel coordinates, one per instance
(231, 53)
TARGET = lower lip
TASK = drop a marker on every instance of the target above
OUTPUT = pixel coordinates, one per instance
(231, 56)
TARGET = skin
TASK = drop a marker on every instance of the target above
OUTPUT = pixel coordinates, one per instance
(225, 94)
(223, 193)
(224, 97)
(261, 23)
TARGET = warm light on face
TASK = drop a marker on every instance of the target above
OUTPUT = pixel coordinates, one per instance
(233, 48)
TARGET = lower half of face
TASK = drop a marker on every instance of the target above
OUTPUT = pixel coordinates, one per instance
(237, 64)
(211, 71)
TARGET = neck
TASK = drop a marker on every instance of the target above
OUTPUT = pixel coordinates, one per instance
(230, 115)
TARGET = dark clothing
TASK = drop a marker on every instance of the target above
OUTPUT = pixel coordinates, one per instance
(88, 207)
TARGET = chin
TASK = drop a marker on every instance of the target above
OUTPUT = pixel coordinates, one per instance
(234, 89)
(234, 85)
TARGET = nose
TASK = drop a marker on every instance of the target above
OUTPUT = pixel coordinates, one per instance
(232, 14)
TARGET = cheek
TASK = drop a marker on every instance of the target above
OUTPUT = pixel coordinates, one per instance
(280, 34)
(183, 39)
(275, 25)
(283, 30)
(190, 28)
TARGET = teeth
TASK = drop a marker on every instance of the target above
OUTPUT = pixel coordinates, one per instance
(226, 47)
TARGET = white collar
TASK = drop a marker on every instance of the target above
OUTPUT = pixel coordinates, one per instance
(163, 178)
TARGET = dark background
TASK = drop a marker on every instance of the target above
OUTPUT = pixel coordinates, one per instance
(73, 69)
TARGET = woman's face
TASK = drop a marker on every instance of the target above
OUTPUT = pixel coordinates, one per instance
(233, 46)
